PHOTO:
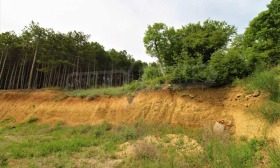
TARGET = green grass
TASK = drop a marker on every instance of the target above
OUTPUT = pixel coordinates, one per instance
(267, 81)
(127, 89)
(274, 156)
(94, 92)
(32, 120)
(269, 110)
(35, 145)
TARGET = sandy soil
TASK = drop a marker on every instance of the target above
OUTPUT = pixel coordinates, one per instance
(188, 108)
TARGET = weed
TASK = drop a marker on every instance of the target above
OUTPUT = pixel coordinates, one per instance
(274, 155)
(128, 132)
(32, 120)
(269, 110)
(145, 150)
(267, 81)
(3, 160)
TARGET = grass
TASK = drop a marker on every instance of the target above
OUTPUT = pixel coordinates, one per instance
(34, 145)
(32, 120)
(270, 111)
(269, 82)
(111, 91)
(127, 89)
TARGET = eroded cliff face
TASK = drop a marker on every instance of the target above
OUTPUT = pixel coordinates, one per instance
(187, 108)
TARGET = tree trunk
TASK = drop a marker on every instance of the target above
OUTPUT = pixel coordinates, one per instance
(32, 68)
(1, 73)
(161, 67)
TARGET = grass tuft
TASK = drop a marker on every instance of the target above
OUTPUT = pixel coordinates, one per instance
(32, 120)
(270, 111)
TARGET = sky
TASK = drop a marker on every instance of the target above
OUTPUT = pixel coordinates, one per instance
(121, 24)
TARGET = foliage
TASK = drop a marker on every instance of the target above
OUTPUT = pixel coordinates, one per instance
(151, 72)
(188, 69)
(205, 51)
(202, 40)
(224, 67)
(157, 41)
(263, 32)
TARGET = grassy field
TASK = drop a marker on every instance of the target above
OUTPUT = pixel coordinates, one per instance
(32, 145)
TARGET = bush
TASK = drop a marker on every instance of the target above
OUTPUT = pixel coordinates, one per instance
(225, 67)
(188, 70)
(151, 72)
(144, 150)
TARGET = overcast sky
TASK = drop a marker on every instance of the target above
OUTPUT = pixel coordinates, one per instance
(121, 24)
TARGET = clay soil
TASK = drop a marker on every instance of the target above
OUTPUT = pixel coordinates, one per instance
(188, 108)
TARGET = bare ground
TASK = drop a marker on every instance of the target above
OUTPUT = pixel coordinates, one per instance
(187, 108)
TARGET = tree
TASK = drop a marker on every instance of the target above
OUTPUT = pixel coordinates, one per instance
(35, 36)
(205, 39)
(157, 43)
(263, 33)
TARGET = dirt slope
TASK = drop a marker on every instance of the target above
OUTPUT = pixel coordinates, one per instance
(189, 108)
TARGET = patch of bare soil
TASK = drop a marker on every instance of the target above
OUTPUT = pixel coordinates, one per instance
(148, 146)
(192, 107)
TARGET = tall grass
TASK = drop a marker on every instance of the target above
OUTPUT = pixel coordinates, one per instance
(266, 81)
(270, 111)
(127, 89)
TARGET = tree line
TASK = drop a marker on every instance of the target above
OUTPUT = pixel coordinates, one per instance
(212, 51)
(40, 57)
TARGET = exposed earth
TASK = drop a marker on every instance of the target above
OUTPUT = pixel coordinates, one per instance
(193, 107)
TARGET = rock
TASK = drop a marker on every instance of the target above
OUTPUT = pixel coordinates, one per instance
(229, 123)
(218, 128)
(167, 87)
(239, 95)
(191, 95)
(256, 93)
(246, 105)
(248, 96)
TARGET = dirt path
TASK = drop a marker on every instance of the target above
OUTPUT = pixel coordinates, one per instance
(188, 108)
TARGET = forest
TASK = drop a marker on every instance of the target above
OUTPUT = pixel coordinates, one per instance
(210, 52)
(40, 57)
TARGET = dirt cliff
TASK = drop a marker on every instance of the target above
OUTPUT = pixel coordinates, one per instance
(188, 108)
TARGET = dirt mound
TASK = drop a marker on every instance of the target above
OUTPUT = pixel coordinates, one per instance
(189, 108)
(148, 146)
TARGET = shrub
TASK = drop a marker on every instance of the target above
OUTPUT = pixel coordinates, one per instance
(188, 70)
(151, 72)
(224, 67)
(144, 150)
